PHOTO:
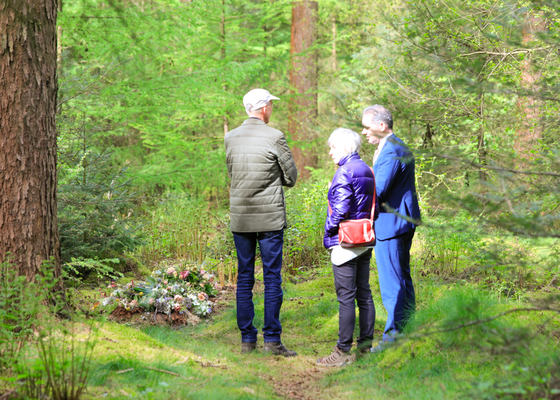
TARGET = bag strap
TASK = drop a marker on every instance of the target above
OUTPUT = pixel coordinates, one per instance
(374, 198)
(372, 204)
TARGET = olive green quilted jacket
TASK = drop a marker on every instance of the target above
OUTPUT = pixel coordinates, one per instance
(259, 163)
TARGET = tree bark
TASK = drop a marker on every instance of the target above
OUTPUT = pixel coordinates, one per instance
(302, 118)
(223, 56)
(28, 179)
(530, 129)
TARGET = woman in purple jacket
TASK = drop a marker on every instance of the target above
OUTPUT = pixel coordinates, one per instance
(350, 196)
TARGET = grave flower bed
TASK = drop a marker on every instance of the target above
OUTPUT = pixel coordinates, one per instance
(168, 289)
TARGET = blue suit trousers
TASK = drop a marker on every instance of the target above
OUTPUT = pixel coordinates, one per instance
(397, 292)
(270, 244)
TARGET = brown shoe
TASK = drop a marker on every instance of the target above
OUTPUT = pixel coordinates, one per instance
(337, 358)
(248, 347)
(278, 349)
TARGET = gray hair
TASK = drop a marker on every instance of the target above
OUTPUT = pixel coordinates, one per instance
(350, 140)
(380, 114)
(250, 110)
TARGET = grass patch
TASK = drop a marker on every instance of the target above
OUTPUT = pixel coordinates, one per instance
(511, 357)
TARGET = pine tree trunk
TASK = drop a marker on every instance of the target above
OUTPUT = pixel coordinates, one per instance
(28, 87)
(303, 82)
(530, 129)
(223, 55)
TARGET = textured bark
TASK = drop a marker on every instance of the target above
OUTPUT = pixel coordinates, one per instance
(28, 89)
(303, 82)
(223, 55)
(530, 130)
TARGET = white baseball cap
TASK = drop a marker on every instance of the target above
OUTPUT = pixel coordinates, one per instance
(256, 99)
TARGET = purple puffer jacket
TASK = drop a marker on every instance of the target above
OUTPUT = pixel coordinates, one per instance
(350, 196)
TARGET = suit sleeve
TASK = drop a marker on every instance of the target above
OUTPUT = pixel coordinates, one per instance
(341, 202)
(385, 171)
(286, 162)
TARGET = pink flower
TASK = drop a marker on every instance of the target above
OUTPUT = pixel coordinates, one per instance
(177, 307)
(202, 296)
(151, 301)
(133, 303)
(178, 298)
(184, 274)
(170, 270)
(165, 282)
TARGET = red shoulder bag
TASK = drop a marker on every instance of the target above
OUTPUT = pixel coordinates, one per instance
(357, 232)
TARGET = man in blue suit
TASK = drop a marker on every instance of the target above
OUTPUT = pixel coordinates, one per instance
(393, 167)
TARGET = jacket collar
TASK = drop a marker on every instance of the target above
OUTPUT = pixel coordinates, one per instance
(253, 121)
(349, 157)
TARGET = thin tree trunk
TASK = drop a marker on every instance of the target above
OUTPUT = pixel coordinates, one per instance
(481, 141)
(303, 82)
(223, 53)
(334, 63)
(28, 87)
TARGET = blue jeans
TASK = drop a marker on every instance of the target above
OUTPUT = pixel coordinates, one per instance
(270, 244)
(395, 283)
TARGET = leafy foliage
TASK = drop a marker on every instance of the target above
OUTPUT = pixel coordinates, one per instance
(95, 212)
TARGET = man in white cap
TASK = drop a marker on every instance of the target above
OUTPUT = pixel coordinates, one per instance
(259, 163)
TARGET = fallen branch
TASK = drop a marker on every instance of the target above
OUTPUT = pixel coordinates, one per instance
(485, 166)
(479, 321)
(202, 364)
(305, 297)
(164, 371)
(124, 370)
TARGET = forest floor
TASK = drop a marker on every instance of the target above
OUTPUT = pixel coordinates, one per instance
(204, 361)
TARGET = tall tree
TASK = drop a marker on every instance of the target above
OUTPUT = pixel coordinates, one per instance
(303, 83)
(28, 83)
(530, 130)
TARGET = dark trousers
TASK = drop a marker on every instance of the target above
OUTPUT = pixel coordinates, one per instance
(393, 267)
(351, 281)
(270, 244)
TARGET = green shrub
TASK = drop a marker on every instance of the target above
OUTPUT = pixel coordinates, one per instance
(306, 208)
(95, 212)
(20, 306)
(447, 245)
(179, 227)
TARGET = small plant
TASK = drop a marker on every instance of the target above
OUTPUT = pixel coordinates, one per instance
(78, 268)
(65, 362)
(21, 302)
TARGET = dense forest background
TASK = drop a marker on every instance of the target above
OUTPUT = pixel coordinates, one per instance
(148, 89)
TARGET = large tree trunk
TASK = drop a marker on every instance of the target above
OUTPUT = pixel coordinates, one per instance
(28, 89)
(303, 82)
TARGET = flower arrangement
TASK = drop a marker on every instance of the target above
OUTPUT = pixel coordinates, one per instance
(168, 289)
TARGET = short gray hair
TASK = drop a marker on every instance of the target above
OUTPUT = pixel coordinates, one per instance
(250, 110)
(380, 114)
(350, 140)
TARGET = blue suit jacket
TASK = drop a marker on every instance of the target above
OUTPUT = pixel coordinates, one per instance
(394, 182)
